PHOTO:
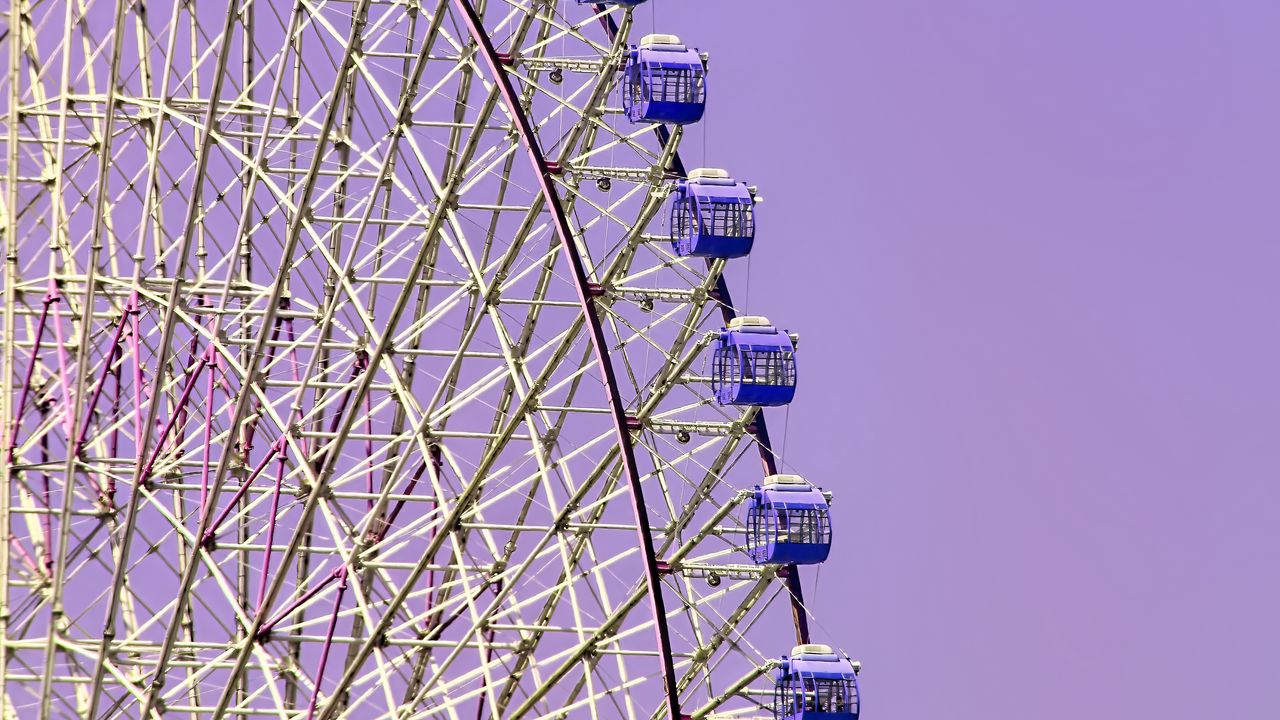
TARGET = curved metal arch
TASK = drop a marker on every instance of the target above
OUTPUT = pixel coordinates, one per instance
(530, 141)
(765, 446)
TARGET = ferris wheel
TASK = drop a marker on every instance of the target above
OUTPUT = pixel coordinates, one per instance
(374, 359)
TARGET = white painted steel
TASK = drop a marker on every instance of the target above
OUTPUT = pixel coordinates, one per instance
(305, 361)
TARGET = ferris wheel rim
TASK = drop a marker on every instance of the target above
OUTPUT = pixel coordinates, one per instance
(767, 456)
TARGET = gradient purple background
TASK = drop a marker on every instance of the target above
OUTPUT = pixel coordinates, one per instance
(1031, 248)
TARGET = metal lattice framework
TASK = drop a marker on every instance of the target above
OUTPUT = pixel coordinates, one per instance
(349, 373)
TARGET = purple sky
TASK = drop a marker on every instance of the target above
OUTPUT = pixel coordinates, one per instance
(1032, 250)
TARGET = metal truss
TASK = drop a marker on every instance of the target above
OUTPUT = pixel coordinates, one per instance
(347, 373)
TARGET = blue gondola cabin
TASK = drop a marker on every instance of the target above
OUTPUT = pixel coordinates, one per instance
(664, 82)
(788, 522)
(712, 215)
(754, 364)
(815, 684)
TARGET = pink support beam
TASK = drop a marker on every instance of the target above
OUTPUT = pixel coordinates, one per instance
(104, 488)
(413, 483)
(328, 642)
(265, 630)
(193, 374)
(183, 413)
(46, 496)
(46, 521)
(114, 445)
(135, 348)
(340, 410)
(49, 299)
(100, 384)
(22, 552)
(206, 460)
(271, 532)
(276, 447)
